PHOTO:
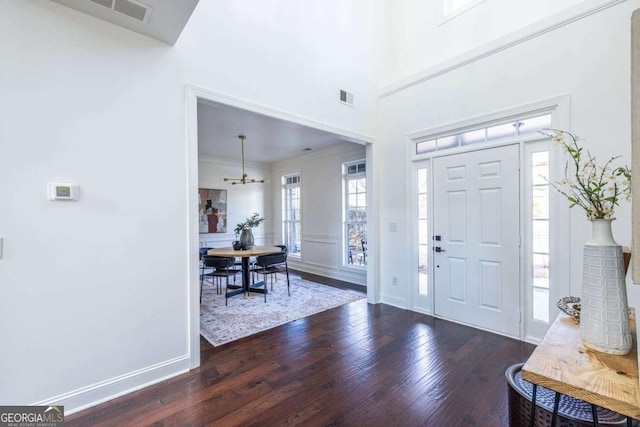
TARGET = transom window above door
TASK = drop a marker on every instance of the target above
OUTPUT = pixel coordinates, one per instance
(488, 132)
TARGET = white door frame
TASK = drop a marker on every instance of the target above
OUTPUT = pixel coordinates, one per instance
(559, 107)
(192, 93)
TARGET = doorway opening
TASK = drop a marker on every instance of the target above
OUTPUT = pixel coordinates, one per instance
(233, 116)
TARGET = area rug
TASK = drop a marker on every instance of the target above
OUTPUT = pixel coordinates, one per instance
(244, 316)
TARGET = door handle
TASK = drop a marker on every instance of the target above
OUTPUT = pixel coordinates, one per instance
(438, 249)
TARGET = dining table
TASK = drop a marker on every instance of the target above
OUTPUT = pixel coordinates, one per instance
(245, 255)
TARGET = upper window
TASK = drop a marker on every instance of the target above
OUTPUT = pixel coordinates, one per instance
(489, 132)
(452, 8)
(291, 213)
(355, 213)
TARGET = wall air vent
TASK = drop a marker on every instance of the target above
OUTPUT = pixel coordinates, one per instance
(132, 9)
(346, 97)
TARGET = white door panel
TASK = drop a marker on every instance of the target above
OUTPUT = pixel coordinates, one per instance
(476, 215)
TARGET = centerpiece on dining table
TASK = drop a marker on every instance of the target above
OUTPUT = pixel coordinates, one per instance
(243, 230)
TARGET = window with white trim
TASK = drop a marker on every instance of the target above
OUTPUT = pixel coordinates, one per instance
(292, 217)
(488, 132)
(355, 213)
(539, 231)
(423, 231)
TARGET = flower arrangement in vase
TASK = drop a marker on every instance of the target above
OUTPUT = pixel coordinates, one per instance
(604, 318)
(596, 189)
(243, 229)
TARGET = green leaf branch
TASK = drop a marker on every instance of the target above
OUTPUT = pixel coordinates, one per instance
(251, 222)
(596, 189)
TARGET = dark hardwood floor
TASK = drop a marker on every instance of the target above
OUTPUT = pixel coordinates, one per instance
(355, 365)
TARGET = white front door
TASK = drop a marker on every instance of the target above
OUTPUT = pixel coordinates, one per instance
(477, 237)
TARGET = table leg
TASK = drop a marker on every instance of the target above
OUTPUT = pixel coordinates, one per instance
(532, 417)
(594, 414)
(556, 404)
(246, 275)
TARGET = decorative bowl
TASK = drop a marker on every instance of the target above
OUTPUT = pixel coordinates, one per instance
(570, 306)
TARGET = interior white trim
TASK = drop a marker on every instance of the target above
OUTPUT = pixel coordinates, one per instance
(321, 238)
(221, 161)
(373, 252)
(558, 104)
(412, 219)
(316, 155)
(451, 15)
(395, 301)
(193, 231)
(537, 29)
(346, 135)
(351, 275)
(94, 394)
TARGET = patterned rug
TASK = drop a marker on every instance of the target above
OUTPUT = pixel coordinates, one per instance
(244, 316)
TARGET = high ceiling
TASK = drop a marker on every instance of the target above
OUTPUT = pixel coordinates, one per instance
(162, 20)
(268, 140)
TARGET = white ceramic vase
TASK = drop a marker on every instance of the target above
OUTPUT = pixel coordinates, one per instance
(604, 311)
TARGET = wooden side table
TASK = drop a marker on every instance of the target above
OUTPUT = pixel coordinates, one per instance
(562, 364)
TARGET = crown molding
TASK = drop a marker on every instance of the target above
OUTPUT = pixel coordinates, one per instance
(515, 38)
(223, 161)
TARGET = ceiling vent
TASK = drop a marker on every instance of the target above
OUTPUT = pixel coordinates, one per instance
(132, 9)
(346, 97)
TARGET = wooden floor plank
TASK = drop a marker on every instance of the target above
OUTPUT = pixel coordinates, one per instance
(355, 365)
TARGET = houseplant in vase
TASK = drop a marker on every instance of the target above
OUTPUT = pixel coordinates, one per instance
(604, 317)
(244, 230)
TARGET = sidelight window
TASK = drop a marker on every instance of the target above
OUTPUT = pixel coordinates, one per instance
(355, 213)
(292, 217)
(539, 232)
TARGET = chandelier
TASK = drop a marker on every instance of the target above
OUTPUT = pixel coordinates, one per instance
(244, 179)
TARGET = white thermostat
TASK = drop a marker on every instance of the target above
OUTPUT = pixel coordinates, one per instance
(58, 191)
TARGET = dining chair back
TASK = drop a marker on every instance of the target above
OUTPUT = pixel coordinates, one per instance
(271, 265)
(364, 250)
(221, 267)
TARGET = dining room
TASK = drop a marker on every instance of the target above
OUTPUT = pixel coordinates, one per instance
(296, 180)
(273, 150)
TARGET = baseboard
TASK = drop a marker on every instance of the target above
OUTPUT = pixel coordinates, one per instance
(92, 395)
(358, 277)
(395, 302)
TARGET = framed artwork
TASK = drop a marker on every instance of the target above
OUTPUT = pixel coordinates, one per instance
(212, 207)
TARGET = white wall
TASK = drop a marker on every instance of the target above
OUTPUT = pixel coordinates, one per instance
(242, 200)
(417, 38)
(322, 208)
(588, 59)
(95, 292)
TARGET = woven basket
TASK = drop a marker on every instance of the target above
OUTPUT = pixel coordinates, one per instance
(571, 412)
